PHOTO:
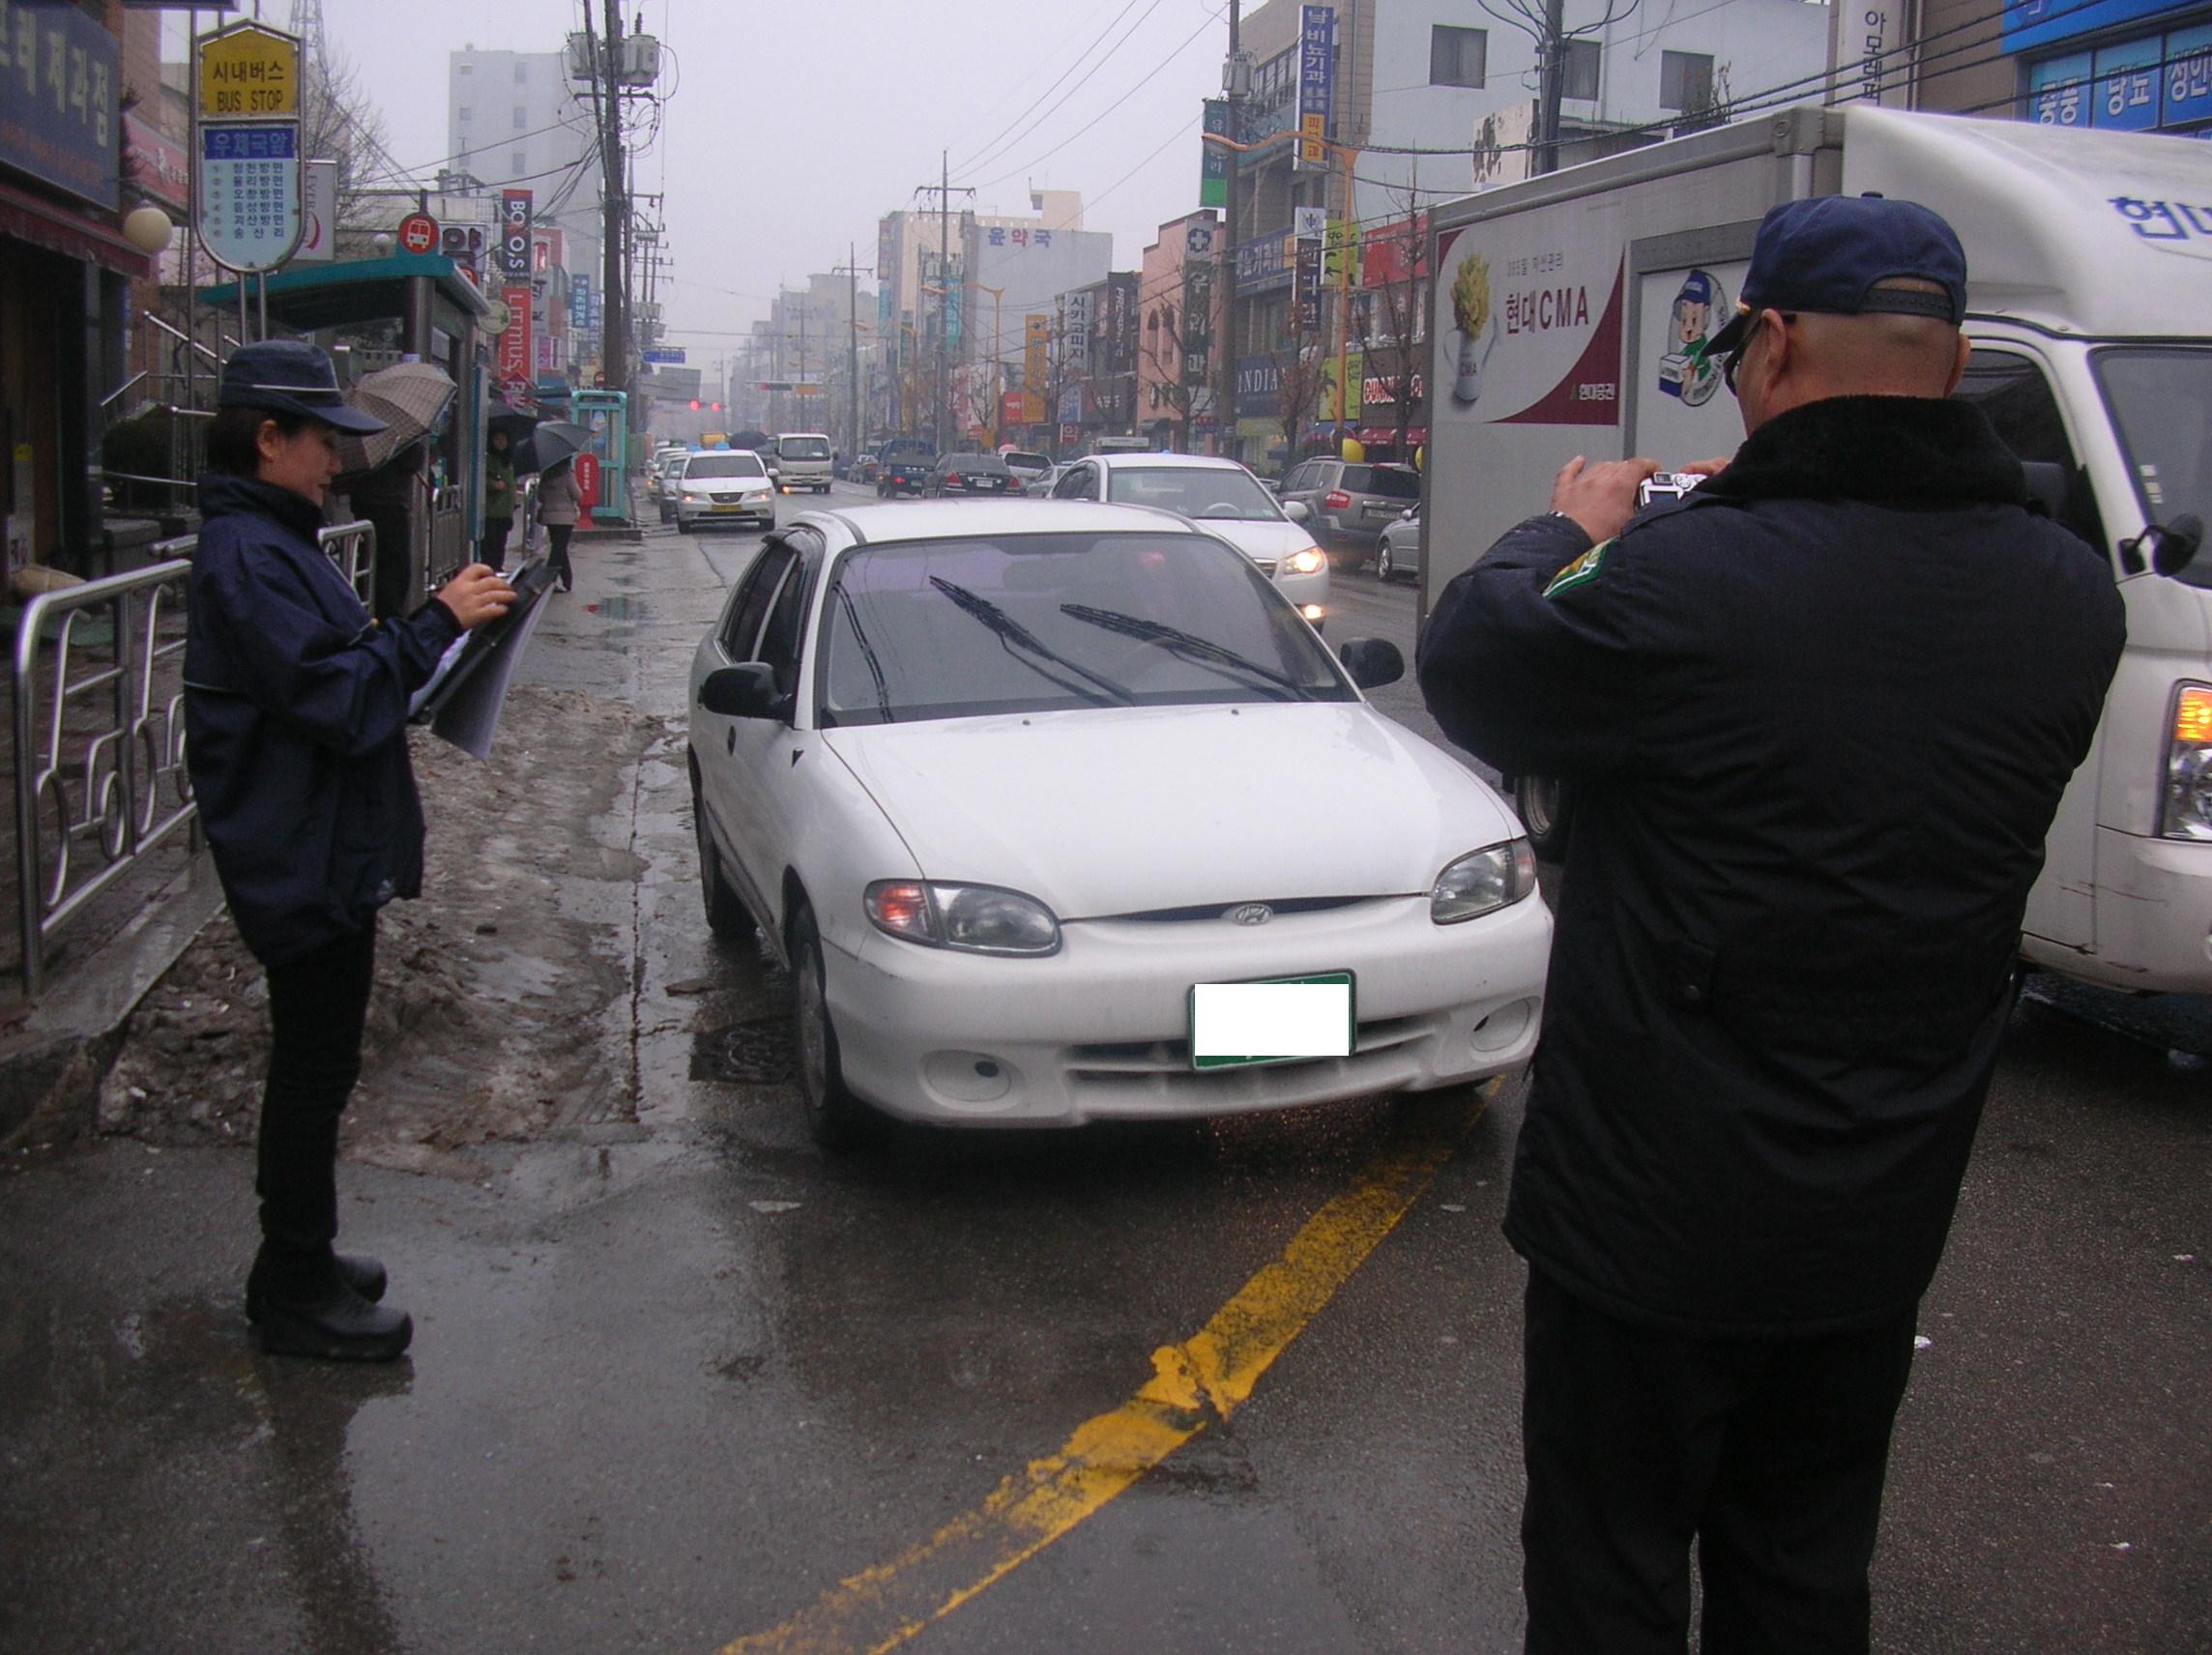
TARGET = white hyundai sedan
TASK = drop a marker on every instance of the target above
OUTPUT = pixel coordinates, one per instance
(1061, 812)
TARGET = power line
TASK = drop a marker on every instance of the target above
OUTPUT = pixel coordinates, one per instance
(977, 157)
(996, 151)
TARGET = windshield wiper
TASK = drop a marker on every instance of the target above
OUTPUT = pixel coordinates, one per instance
(1203, 651)
(1011, 631)
(868, 655)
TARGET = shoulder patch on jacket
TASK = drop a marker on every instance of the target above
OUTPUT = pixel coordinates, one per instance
(1583, 570)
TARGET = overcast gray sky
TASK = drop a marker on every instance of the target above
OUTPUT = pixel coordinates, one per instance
(792, 125)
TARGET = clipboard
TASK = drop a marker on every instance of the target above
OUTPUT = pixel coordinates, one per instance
(462, 701)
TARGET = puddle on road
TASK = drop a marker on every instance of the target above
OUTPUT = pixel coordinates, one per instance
(755, 1053)
(619, 608)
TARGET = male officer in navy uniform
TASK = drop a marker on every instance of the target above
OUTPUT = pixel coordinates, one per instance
(1817, 716)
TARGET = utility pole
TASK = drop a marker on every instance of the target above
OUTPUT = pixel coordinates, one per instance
(943, 191)
(1224, 343)
(850, 270)
(614, 337)
(1552, 55)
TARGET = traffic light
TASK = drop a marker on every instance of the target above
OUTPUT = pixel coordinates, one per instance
(694, 405)
(714, 407)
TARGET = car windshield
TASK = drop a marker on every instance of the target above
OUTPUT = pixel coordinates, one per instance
(725, 465)
(1035, 622)
(976, 464)
(1029, 462)
(2161, 401)
(1195, 491)
(1387, 481)
(802, 447)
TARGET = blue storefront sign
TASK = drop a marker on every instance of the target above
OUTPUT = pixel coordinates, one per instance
(579, 303)
(2032, 23)
(1317, 65)
(60, 112)
(2188, 82)
(2159, 82)
(1264, 264)
(1259, 386)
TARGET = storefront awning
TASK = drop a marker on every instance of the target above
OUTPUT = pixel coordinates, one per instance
(45, 224)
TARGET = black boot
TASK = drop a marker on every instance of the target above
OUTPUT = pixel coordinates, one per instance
(364, 1275)
(341, 1326)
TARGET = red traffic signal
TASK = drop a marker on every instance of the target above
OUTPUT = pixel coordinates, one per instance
(716, 407)
(694, 405)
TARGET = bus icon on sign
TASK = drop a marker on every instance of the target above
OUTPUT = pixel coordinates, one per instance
(418, 233)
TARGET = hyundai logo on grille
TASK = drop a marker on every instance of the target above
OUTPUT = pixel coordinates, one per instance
(1252, 913)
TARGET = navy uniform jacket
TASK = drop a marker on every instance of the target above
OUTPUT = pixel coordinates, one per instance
(1818, 718)
(295, 721)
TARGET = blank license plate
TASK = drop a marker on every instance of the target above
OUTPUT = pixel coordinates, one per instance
(1278, 1020)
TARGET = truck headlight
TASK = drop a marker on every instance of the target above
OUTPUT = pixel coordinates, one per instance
(1482, 881)
(1307, 561)
(976, 918)
(2186, 809)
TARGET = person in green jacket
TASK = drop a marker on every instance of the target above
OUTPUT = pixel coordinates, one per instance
(498, 500)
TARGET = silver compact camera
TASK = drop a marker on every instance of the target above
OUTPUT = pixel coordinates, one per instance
(1665, 485)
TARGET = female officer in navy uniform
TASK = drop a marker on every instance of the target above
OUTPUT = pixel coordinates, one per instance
(295, 711)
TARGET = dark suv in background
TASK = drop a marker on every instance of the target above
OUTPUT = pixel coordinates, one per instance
(1350, 504)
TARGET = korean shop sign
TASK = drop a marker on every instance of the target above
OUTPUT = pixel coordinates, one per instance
(249, 192)
(60, 114)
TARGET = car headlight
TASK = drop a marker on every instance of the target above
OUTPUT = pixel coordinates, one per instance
(1307, 561)
(1482, 881)
(2187, 811)
(976, 919)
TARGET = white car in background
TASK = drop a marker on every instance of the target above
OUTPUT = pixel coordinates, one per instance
(1222, 498)
(1059, 813)
(723, 486)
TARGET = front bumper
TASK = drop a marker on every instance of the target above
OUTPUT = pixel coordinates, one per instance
(1101, 1031)
(2153, 917)
(735, 514)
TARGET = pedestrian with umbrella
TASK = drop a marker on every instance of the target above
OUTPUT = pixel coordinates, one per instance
(296, 707)
(549, 449)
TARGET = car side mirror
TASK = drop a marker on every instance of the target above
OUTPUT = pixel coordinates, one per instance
(747, 690)
(1372, 662)
(1410, 513)
(1297, 511)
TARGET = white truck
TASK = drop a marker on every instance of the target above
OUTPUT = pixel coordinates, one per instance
(803, 460)
(1566, 310)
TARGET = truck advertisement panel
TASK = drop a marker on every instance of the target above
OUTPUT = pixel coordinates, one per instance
(1530, 314)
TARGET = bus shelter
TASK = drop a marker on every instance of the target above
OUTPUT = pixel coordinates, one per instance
(430, 518)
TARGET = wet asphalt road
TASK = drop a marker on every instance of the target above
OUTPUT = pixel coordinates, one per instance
(685, 1383)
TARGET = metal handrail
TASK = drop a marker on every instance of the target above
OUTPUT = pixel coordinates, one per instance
(142, 373)
(352, 547)
(126, 759)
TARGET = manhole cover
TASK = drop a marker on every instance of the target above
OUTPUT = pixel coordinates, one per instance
(749, 1054)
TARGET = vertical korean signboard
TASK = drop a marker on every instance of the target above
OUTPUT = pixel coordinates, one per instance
(1317, 85)
(58, 87)
(247, 148)
(1213, 159)
(516, 357)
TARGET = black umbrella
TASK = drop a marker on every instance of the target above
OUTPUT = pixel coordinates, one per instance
(549, 443)
(515, 422)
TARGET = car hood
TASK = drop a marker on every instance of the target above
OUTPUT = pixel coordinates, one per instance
(1268, 540)
(1121, 810)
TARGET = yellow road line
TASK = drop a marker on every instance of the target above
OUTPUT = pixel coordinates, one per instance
(1204, 1377)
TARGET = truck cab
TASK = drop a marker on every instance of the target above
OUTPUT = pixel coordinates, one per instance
(803, 460)
(1569, 312)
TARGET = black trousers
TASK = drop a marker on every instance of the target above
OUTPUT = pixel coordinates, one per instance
(318, 1004)
(495, 532)
(1769, 1454)
(557, 552)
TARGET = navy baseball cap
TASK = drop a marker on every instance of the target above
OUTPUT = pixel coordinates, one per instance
(289, 376)
(1826, 255)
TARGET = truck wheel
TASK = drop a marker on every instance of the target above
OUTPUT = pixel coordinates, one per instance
(1547, 812)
